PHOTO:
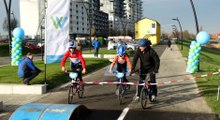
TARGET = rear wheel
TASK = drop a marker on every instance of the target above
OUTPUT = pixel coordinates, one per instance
(70, 95)
(80, 91)
(144, 98)
(120, 95)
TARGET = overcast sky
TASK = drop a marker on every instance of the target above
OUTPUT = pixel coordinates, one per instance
(208, 13)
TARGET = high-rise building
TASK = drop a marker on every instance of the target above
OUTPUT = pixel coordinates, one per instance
(32, 14)
(122, 14)
(86, 17)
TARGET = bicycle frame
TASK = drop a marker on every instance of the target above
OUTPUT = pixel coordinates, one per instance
(121, 87)
(75, 87)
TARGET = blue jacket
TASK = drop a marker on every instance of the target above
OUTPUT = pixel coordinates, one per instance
(26, 64)
(96, 44)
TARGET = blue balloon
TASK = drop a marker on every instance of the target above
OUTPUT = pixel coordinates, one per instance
(193, 42)
(18, 33)
(203, 37)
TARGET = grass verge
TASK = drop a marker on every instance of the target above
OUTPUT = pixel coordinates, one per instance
(8, 74)
(210, 62)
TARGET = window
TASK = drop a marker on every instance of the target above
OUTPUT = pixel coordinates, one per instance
(153, 25)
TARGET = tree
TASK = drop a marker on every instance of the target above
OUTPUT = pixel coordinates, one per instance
(13, 23)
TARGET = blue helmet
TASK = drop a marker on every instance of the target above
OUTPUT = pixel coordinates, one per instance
(121, 50)
(72, 44)
(144, 43)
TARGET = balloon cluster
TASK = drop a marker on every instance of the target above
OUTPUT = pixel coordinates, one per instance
(16, 52)
(194, 52)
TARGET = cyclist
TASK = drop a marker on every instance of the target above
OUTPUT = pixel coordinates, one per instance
(149, 63)
(76, 60)
(122, 60)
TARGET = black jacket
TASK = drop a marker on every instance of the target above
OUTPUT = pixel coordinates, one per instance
(149, 60)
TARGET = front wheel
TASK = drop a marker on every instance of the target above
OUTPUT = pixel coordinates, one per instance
(144, 98)
(70, 95)
(80, 91)
(121, 94)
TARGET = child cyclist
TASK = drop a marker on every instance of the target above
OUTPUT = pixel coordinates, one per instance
(77, 62)
(122, 60)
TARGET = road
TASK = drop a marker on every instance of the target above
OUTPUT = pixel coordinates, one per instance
(179, 101)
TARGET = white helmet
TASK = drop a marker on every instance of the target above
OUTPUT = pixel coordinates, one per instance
(72, 44)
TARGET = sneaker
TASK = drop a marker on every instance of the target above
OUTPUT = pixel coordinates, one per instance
(117, 92)
(136, 98)
(25, 82)
(153, 98)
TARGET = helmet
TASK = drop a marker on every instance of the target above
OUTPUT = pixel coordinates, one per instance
(121, 50)
(72, 44)
(144, 42)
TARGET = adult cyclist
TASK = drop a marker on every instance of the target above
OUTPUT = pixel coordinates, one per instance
(149, 63)
(76, 60)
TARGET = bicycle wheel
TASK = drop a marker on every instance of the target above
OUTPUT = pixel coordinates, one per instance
(70, 95)
(80, 91)
(144, 98)
(121, 94)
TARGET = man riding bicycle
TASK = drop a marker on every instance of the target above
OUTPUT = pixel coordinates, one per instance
(149, 63)
(77, 62)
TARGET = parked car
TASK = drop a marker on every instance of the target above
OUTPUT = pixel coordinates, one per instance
(122, 43)
(126, 44)
(132, 45)
(111, 45)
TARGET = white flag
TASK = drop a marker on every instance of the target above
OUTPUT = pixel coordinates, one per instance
(57, 30)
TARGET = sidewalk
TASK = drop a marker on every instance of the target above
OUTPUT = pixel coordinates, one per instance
(181, 97)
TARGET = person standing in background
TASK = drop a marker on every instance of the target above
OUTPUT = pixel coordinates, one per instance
(96, 45)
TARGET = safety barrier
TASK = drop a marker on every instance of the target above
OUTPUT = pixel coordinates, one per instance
(43, 111)
(149, 84)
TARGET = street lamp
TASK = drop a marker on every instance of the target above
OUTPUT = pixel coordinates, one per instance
(175, 30)
(195, 16)
(181, 31)
(89, 15)
(197, 25)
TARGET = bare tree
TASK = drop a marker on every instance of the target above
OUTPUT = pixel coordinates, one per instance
(8, 13)
(13, 23)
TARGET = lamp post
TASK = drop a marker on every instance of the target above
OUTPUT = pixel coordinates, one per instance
(197, 25)
(175, 30)
(195, 16)
(176, 19)
(89, 15)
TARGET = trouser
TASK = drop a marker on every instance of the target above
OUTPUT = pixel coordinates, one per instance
(29, 75)
(77, 68)
(152, 80)
(96, 52)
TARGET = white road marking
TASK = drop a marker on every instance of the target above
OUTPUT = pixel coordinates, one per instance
(123, 114)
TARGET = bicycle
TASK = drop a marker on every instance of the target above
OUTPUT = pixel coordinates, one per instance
(146, 91)
(75, 88)
(122, 88)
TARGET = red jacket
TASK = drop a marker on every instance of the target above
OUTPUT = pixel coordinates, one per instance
(74, 57)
